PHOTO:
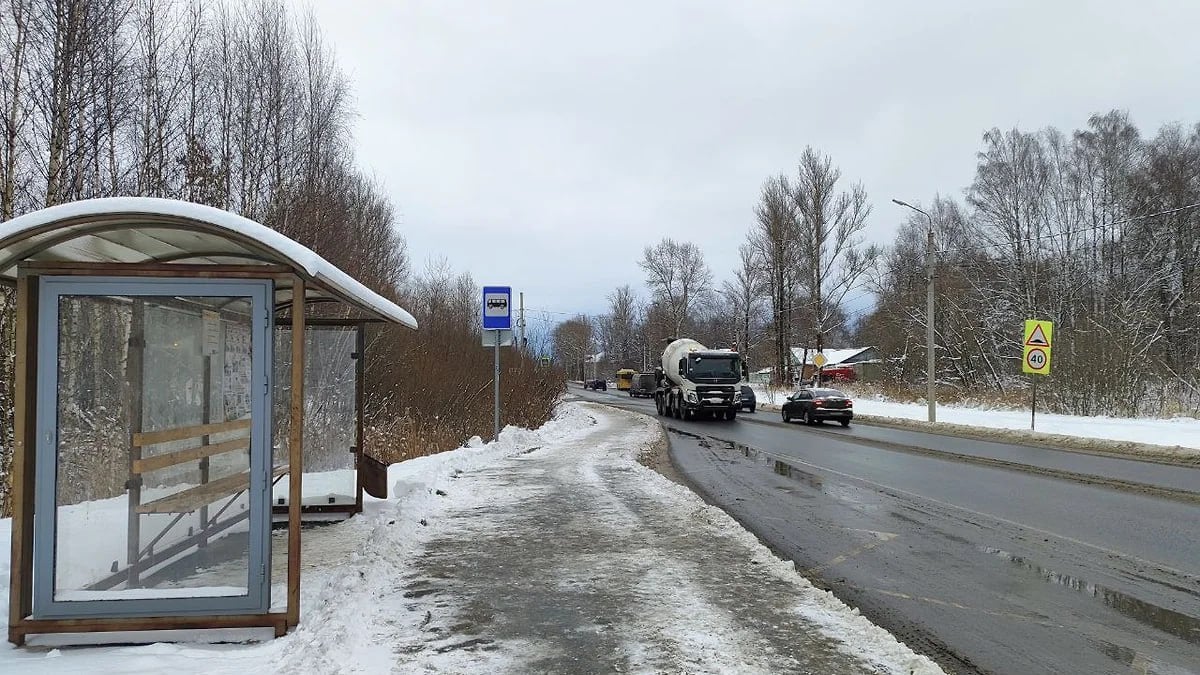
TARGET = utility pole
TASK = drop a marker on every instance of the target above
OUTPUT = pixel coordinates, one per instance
(521, 344)
(930, 347)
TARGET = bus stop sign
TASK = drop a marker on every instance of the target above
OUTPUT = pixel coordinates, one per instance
(497, 308)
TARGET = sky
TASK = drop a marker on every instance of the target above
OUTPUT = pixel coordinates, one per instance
(544, 144)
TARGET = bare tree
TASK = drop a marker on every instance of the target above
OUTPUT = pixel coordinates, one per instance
(745, 294)
(775, 239)
(678, 276)
(14, 99)
(572, 343)
(618, 329)
(832, 257)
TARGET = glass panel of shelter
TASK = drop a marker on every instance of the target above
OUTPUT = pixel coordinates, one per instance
(330, 417)
(154, 405)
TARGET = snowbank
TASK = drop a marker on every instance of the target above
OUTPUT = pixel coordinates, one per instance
(1183, 432)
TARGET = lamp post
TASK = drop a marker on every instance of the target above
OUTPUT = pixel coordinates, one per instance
(930, 354)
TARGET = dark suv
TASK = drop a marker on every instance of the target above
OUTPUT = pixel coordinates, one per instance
(748, 400)
(644, 385)
(818, 405)
(597, 384)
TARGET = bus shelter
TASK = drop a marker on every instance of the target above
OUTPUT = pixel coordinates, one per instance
(172, 399)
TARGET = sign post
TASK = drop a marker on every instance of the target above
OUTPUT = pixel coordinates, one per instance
(1035, 360)
(497, 319)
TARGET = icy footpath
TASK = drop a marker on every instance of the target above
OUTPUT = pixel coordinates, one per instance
(556, 551)
(546, 551)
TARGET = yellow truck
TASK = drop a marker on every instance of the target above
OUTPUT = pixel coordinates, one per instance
(625, 378)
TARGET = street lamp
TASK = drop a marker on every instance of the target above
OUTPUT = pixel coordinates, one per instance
(930, 355)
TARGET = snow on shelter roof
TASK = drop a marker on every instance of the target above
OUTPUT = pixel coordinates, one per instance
(149, 230)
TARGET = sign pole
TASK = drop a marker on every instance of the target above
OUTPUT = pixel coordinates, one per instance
(1033, 408)
(497, 320)
(496, 389)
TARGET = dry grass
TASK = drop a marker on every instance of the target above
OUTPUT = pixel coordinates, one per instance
(431, 391)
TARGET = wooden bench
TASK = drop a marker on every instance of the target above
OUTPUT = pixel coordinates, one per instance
(207, 492)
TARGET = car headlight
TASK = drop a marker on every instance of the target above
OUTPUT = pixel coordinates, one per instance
(737, 397)
(690, 397)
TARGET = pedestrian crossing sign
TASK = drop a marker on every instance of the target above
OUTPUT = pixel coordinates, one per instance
(1039, 336)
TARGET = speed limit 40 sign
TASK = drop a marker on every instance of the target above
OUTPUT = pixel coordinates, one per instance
(1038, 340)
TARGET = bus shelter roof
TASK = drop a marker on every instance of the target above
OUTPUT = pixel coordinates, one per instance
(133, 230)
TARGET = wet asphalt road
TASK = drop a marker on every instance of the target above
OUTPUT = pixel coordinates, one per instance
(984, 569)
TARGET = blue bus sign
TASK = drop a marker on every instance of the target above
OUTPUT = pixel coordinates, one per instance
(497, 308)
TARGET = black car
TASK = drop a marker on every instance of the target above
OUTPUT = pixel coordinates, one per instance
(596, 384)
(748, 400)
(818, 405)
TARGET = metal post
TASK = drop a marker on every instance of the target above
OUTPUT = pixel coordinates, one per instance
(1033, 408)
(496, 388)
(930, 347)
(521, 321)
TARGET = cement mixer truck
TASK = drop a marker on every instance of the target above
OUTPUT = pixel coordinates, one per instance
(695, 381)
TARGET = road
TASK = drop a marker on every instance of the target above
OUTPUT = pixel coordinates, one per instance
(987, 557)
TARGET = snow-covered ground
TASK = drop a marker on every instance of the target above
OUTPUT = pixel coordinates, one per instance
(1179, 431)
(544, 549)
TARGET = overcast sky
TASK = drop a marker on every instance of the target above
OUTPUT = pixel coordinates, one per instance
(544, 144)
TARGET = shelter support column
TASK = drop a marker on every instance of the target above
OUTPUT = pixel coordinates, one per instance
(24, 456)
(134, 387)
(295, 453)
(360, 359)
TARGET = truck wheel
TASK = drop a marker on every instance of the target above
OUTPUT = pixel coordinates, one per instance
(731, 415)
(688, 415)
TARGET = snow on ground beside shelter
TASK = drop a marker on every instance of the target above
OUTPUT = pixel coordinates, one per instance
(1180, 431)
(355, 613)
(357, 560)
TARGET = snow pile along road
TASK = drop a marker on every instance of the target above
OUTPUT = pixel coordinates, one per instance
(550, 550)
(1181, 432)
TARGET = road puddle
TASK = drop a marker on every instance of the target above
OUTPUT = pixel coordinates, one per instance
(780, 467)
(1166, 620)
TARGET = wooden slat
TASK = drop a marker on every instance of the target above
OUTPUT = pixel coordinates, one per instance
(20, 590)
(108, 624)
(180, 433)
(189, 455)
(186, 501)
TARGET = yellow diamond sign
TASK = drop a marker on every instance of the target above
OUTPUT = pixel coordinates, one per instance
(1039, 336)
(819, 360)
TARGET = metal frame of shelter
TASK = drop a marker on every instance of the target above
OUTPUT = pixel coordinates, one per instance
(158, 249)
